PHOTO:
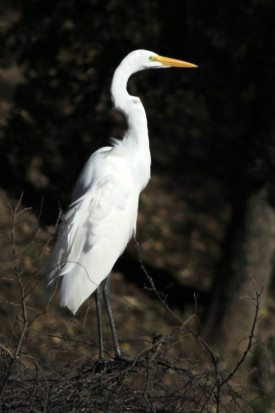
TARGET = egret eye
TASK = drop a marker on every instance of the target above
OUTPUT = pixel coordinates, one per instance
(152, 58)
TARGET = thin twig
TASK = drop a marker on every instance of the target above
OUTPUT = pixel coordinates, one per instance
(250, 340)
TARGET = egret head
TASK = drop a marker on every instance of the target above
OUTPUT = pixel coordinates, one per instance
(144, 59)
(134, 62)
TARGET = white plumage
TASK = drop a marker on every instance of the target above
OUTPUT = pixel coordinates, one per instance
(97, 227)
(102, 216)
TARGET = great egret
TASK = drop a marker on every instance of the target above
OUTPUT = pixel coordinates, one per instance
(102, 216)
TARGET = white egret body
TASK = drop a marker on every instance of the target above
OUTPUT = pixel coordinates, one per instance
(102, 216)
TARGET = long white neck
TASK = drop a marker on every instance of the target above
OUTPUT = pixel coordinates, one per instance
(130, 106)
(135, 141)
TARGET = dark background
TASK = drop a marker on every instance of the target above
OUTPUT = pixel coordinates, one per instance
(211, 131)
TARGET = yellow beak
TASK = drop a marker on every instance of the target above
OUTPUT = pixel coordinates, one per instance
(167, 61)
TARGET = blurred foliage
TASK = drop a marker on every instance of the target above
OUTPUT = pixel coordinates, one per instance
(212, 122)
(211, 129)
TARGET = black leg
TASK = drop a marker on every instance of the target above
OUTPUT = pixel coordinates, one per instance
(99, 321)
(106, 293)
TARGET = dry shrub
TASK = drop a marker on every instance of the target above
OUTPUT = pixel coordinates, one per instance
(161, 378)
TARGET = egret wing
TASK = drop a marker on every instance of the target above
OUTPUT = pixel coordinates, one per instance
(94, 233)
(90, 172)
